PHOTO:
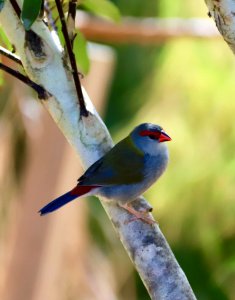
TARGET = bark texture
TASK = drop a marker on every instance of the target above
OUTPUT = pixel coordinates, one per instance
(223, 13)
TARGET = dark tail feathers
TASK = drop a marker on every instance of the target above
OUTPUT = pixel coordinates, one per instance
(78, 191)
(57, 203)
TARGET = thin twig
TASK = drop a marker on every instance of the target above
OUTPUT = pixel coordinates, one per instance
(42, 93)
(16, 7)
(83, 110)
(10, 55)
(71, 20)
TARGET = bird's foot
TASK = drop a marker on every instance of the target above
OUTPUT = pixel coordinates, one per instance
(143, 216)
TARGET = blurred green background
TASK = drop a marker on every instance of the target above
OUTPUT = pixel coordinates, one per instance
(187, 86)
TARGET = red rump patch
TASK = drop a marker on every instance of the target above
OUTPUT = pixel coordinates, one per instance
(80, 190)
(148, 133)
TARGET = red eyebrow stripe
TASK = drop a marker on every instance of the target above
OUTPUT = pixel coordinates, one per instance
(148, 132)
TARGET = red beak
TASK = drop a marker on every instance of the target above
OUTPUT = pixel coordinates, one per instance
(164, 137)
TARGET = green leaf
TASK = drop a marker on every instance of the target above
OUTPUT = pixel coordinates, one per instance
(4, 40)
(1, 4)
(80, 50)
(102, 8)
(1, 80)
(30, 12)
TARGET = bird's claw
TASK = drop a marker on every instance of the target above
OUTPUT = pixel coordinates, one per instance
(143, 216)
(145, 219)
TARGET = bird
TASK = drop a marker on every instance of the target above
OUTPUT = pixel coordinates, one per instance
(123, 173)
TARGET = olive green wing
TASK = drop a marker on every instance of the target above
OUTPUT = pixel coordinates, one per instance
(123, 164)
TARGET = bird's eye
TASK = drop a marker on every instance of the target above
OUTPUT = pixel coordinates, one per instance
(152, 137)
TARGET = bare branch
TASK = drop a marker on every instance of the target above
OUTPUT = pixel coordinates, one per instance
(10, 55)
(144, 30)
(83, 110)
(42, 94)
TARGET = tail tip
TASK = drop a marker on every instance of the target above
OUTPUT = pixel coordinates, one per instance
(42, 213)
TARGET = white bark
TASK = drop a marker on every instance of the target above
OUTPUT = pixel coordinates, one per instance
(223, 13)
(43, 60)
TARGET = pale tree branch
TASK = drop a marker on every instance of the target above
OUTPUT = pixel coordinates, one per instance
(223, 13)
(145, 244)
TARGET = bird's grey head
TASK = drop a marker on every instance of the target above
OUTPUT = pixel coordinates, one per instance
(150, 138)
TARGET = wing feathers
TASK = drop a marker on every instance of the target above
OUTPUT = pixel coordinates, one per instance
(123, 164)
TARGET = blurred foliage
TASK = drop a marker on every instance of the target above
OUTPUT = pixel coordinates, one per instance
(10, 113)
(101, 8)
(81, 54)
(13, 143)
(4, 40)
(131, 83)
(195, 107)
(1, 4)
(186, 86)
